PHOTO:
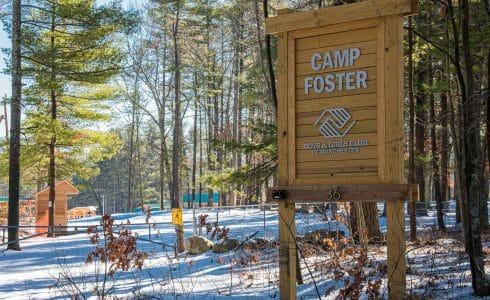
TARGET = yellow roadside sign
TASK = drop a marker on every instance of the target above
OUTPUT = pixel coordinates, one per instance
(177, 216)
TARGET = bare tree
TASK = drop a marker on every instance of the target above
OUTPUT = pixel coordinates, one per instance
(436, 179)
(177, 127)
(411, 134)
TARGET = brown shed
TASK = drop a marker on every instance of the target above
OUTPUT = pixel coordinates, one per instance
(63, 189)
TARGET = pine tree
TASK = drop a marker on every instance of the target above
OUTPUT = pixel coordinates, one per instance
(70, 55)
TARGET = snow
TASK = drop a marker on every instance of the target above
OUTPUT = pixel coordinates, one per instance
(56, 268)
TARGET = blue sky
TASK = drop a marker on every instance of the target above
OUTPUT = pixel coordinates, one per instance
(4, 79)
(5, 42)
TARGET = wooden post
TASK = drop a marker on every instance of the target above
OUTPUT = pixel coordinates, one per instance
(287, 223)
(395, 243)
(393, 114)
(287, 251)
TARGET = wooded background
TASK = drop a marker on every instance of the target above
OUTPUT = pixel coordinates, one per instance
(218, 130)
(140, 104)
(131, 130)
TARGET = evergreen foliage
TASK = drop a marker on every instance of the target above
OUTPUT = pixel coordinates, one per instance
(70, 54)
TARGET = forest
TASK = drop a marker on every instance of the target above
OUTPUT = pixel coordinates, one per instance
(139, 103)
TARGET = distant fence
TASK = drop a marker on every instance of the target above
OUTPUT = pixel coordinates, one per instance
(427, 215)
(76, 229)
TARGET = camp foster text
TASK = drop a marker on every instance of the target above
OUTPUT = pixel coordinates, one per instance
(350, 80)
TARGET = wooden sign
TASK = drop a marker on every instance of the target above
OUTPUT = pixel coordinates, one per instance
(340, 120)
(340, 113)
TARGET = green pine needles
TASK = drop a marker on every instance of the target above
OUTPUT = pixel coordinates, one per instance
(70, 56)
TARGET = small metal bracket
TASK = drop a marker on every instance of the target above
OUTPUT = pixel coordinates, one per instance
(279, 194)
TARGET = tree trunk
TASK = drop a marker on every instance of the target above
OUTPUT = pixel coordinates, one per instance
(473, 166)
(420, 122)
(444, 146)
(138, 156)
(484, 204)
(484, 211)
(272, 79)
(119, 205)
(15, 116)
(435, 155)
(52, 144)
(411, 133)
(5, 115)
(194, 143)
(176, 149)
(161, 170)
(200, 158)
(370, 216)
(130, 158)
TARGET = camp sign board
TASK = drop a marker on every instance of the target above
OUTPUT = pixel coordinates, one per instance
(340, 85)
(340, 119)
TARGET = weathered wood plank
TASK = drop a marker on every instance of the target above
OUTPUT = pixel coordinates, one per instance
(287, 251)
(368, 152)
(364, 62)
(310, 117)
(334, 39)
(371, 137)
(395, 211)
(291, 50)
(366, 47)
(341, 178)
(338, 14)
(355, 102)
(287, 228)
(282, 108)
(371, 88)
(336, 167)
(381, 100)
(363, 126)
(334, 28)
(355, 192)
(371, 76)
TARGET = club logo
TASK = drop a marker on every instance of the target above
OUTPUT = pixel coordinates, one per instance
(335, 123)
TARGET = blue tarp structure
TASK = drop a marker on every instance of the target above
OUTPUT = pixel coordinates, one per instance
(186, 197)
(204, 198)
(21, 198)
(153, 206)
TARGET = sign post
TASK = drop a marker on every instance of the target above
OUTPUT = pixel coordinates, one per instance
(340, 119)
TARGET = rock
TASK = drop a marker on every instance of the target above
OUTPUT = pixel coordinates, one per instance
(326, 239)
(262, 243)
(249, 246)
(197, 245)
(226, 246)
(320, 234)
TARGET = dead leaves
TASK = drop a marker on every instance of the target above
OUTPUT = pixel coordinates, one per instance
(118, 250)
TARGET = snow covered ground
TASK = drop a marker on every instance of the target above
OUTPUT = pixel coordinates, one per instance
(56, 268)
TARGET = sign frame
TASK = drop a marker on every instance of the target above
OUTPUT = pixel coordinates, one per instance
(387, 165)
(387, 17)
